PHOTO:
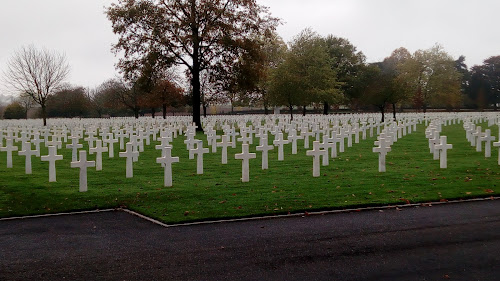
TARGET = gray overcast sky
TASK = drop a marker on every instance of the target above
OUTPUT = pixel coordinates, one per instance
(80, 29)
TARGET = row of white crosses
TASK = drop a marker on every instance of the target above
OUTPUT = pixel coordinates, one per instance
(438, 144)
(333, 130)
(134, 146)
(476, 137)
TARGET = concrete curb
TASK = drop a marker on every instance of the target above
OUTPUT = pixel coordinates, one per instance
(58, 214)
(317, 213)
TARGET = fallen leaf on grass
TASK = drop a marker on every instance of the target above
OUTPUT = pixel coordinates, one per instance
(406, 200)
(468, 193)
(489, 191)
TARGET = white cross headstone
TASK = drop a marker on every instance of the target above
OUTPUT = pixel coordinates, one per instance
(225, 143)
(199, 151)
(9, 148)
(83, 164)
(28, 152)
(52, 157)
(36, 141)
(487, 138)
(264, 147)
(443, 147)
(382, 149)
(166, 160)
(280, 142)
(316, 152)
(245, 155)
(293, 137)
(98, 150)
(478, 135)
(129, 154)
(74, 145)
(110, 142)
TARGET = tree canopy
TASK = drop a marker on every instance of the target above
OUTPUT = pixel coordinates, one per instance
(198, 34)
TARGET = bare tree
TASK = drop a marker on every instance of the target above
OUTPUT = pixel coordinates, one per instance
(38, 73)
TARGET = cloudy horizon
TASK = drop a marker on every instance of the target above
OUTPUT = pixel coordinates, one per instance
(80, 29)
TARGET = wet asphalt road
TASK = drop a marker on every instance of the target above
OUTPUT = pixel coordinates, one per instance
(445, 242)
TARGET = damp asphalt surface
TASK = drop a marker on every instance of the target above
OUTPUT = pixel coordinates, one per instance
(441, 242)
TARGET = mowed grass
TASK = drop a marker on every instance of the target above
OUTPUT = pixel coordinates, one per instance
(351, 180)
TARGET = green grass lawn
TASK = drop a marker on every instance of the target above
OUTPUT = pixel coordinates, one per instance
(351, 180)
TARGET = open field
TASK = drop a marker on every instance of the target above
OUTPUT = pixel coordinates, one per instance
(351, 180)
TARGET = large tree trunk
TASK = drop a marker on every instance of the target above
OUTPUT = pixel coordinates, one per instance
(195, 81)
(304, 109)
(196, 94)
(291, 111)
(164, 107)
(382, 110)
(394, 111)
(204, 110)
(326, 107)
(44, 114)
(153, 112)
(136, 112)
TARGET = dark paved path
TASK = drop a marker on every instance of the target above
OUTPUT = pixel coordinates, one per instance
(446, 242)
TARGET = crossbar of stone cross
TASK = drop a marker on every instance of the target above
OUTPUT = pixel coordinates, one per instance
(199, 151)
(52, 157)
(129, 153)
(166, 161)
(98, 150)
(83, 164)
(382, 151)
(316, 153)
(9, 148)
(245, 156)
(27, 152)
(443, 148)
(487, 138)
